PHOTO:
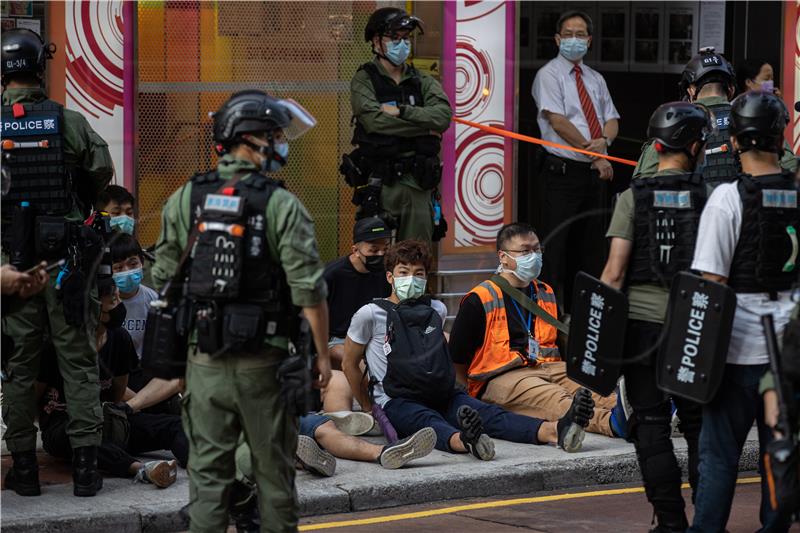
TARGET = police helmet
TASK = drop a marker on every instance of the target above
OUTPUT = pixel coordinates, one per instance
(388, 20)
(707, 67)
(24, 51)
(676, 125)
(249, 111)
(758, 119)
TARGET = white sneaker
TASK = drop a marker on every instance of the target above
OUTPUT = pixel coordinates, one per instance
(162, 474)
(353, 423)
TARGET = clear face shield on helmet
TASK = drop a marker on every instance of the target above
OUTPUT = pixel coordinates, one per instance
(301, 120)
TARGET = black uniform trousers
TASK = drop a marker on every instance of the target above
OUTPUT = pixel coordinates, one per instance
(573, 230)
(650, 426)
(148, 432)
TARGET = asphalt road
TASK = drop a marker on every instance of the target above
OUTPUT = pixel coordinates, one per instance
(601, 509)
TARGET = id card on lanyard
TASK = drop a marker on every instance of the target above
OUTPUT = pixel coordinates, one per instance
(533, 344)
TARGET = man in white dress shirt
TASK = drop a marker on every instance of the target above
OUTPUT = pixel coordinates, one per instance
(575, 109)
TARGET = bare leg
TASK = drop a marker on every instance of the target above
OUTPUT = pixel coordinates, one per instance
(344, 446)
(337, 396)
(337, 355)
(456, 444)
(548, 432)
(134, 468)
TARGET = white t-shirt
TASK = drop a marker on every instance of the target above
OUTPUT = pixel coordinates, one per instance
(555, 90)
(368, 327)
(136, 315)
(718, 233)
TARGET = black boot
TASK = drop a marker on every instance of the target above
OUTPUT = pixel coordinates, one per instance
(23, 478)
(85, 478)
(243, 508)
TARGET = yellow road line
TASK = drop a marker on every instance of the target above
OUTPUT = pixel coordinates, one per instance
(487, 505)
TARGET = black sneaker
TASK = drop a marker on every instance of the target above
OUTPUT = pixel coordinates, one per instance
(23, 477)
(475, 440)
(313, 458)
(571, 426)
(406, 450)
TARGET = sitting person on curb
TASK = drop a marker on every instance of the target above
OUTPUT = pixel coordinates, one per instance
(412, 377)
(127, 263)
(124, 433)
(509, 357)
(355, 280)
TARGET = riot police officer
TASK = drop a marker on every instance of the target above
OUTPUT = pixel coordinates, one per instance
(251, 256)
(653, 232)
(58, 164)
(748, 239)
(709, 79)
(400, 114)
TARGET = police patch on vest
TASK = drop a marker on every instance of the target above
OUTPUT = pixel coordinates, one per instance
(41, 125)
(672, 199)
(222, 203)
(779, 198)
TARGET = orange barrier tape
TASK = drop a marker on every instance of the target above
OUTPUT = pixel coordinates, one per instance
(534, 140)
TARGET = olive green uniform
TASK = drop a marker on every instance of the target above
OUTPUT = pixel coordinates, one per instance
(239, 393)
(648, 161)
(405, 199)
(87, 155)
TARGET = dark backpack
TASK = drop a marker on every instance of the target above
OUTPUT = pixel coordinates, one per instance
(418, 366)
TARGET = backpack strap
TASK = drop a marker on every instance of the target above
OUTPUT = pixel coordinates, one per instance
(384, 304)
(520, 297)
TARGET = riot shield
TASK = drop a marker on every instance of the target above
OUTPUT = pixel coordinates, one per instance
(691, 359)
(596, 334)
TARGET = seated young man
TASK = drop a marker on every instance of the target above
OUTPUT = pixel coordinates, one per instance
(355, 280)
(507, 356)
(411, 373)
(154, 394)
(120, 204)
(124, 433)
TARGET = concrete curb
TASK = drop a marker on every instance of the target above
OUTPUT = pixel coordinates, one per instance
(361, 487)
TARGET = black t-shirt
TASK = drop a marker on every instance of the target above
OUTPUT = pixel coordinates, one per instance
(469, 328)
(116, 358)
(349, 290)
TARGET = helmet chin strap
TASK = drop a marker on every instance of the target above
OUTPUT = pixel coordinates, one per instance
(382, 56)
(267, 151)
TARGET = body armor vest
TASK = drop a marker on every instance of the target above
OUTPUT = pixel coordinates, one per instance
(720, 167)
(231, 262)
(33, 152)
(408, 92)
(666, 214)
(764, 260)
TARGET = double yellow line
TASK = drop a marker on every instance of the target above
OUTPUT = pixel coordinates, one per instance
(486, 505)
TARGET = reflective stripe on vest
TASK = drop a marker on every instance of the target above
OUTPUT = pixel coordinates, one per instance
(495, 356)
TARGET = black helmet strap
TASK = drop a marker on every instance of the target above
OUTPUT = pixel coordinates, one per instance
(268, 151)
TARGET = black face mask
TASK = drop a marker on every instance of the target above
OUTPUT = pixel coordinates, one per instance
(374, 263)
(116, 317)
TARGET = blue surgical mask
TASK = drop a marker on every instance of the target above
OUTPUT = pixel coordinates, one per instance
(768, 86)
(573, 48)
(129, 280)
(124, 223)
(407, 287)
(529, 266)
(281, 149)
(397, 51)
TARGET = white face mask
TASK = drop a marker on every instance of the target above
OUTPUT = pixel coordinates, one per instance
(407, 287)
(529, 266)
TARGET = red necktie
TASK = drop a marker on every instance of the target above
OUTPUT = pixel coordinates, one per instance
(587, 105)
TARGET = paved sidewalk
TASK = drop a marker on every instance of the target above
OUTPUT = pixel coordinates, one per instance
(123, 507)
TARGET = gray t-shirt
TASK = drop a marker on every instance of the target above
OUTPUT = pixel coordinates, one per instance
(368, 327)
(136, 315)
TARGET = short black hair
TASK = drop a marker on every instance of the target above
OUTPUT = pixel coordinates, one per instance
(114, 193)
(124, 246)
(572, 14)
(509, 231)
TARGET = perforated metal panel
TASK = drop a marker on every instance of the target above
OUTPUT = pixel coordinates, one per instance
(193, 55)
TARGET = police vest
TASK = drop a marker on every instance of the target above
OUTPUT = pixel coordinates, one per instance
(231, 262)
(765, 255)
(33, 152)
(666, 214)
(495, 356)
(721, 162)
(407, 92)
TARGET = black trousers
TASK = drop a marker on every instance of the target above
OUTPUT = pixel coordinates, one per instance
(148, 432)
(650, 427)
(573, 235)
